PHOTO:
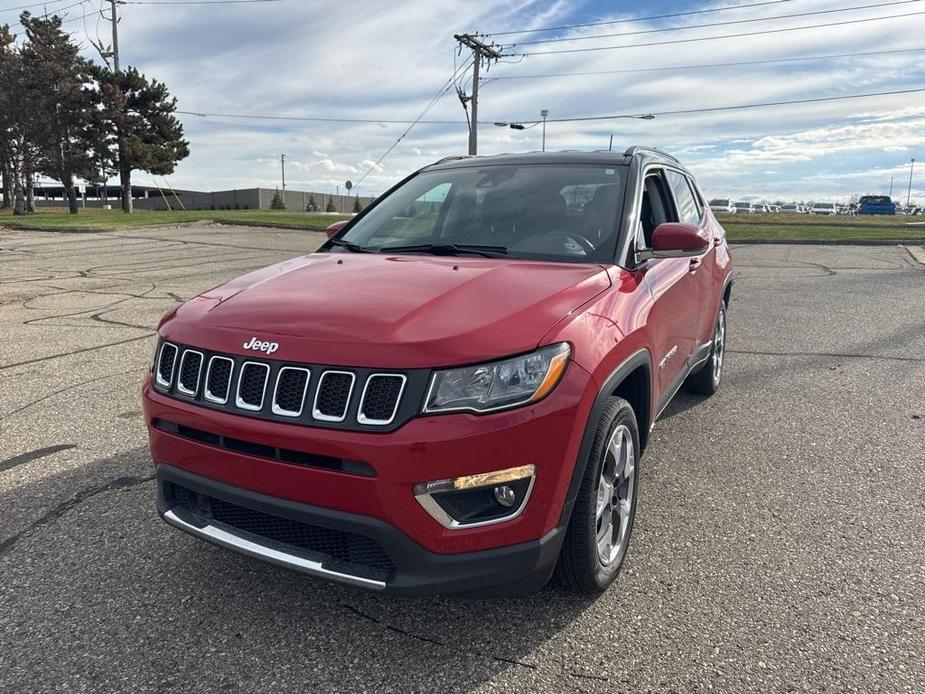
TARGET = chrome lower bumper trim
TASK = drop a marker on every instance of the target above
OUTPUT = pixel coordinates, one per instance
(224, 538)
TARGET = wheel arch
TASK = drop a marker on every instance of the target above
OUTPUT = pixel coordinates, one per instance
(632, 381)
(727, 290)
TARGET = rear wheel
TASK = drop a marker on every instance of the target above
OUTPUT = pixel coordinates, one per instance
(706, 380)
(599, 531)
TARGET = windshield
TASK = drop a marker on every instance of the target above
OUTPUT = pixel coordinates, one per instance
(542, 211)
(719, 203)
(743, 205)
(824, 205)
(876, 200)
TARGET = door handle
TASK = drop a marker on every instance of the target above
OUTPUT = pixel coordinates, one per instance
(695, 264)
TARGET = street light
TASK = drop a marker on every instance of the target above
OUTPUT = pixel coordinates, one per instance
(543, 114)
(643, 116)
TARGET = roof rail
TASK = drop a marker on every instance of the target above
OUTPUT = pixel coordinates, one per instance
(452, 157)
(635, 149)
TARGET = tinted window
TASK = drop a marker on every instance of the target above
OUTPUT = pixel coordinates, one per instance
(876, 200)
(719, 203)
(562, 212)
(688, 210)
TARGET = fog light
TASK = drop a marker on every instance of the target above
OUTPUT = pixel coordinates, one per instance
(505, 496)
(489, 497)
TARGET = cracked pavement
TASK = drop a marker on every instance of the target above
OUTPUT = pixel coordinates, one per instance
(778, 542)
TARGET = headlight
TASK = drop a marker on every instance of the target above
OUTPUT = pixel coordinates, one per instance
(498, 385)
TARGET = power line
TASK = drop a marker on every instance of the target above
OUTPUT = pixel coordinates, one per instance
(750, 20)
(312, 119)
(636, 19)
(552, 120)
(721, 36)
(740, 107)
(440, 92)
(706, 65)
(193, 2)
(26, 7)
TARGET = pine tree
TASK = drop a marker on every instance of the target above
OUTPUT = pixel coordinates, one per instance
(330, 206)
(9, 72)
(147, 135)
(357, 207)
(277, 202)
(57, 91)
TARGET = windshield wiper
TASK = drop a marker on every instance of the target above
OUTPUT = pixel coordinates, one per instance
(449, 249)
(350, 246)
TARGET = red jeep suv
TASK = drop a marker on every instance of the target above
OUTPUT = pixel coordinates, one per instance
(453, 393)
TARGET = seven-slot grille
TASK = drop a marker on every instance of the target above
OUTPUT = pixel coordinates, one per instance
(269, 389)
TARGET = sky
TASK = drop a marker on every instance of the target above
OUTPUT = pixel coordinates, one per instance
(379, 61)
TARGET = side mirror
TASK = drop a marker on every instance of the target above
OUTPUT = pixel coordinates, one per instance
(676, 240)
(334, 228)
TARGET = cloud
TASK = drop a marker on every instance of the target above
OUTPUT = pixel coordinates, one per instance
(372, 60)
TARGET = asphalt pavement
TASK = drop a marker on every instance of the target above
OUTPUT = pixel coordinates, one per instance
(779, 542)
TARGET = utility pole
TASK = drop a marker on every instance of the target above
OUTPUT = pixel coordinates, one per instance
(891, 187)
(282, 160)
(544, 113)
(115, 36)
(480, 50)
(909, 194)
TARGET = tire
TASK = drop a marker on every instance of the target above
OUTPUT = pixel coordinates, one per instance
(706, 380)
(615, 448)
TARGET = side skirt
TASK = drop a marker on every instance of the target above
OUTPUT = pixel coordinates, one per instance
(700, 356)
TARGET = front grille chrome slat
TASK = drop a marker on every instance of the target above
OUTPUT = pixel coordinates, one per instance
(166, 362)
(380, 399)
(289, 393)
(189, 373)
(218, 380)
(252, 386)
(332, 399)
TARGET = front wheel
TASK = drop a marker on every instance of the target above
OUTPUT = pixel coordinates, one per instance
(706, 380)
(599, 531)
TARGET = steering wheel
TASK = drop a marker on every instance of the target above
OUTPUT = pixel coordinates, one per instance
(586, 245)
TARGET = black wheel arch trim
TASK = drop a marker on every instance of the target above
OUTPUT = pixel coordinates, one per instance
(641, 357)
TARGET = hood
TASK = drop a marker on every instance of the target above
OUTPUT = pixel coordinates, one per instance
(389, 311)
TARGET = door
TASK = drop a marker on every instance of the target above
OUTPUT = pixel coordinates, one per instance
(690, 210)
(675, 309)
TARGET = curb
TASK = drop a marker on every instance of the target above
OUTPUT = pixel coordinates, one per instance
(90, 230)
(825, 242)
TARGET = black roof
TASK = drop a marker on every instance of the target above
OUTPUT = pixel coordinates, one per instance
(648, 154)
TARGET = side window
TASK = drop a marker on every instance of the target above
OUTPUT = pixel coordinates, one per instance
(688, 211)
(698, 198)
(656, 207)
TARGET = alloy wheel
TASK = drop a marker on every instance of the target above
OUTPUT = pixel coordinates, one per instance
(719, 347)
(615, 496)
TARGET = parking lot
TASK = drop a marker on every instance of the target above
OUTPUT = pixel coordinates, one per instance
(779, 540)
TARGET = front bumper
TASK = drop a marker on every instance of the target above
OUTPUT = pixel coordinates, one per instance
(546, 435)
(411, 569)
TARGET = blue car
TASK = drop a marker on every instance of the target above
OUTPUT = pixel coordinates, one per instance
(876, 204)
